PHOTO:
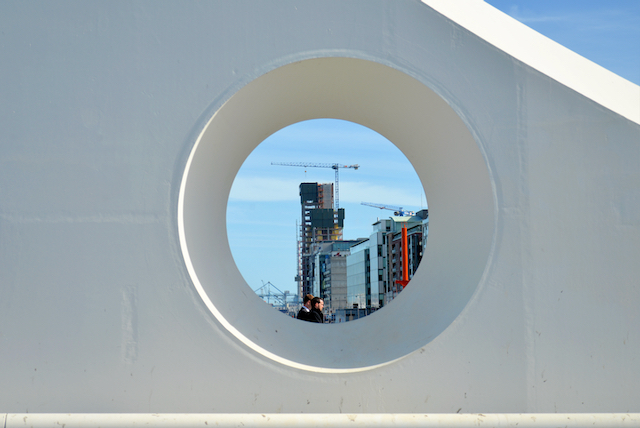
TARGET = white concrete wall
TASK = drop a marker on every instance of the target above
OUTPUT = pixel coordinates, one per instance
(528, 304)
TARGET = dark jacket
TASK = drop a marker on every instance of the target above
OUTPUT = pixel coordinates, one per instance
(304, 315)
(316, 316)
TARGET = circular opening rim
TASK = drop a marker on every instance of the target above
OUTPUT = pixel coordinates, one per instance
(423, 127)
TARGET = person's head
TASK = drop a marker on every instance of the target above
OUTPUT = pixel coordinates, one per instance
(306, 300)
(317, 303)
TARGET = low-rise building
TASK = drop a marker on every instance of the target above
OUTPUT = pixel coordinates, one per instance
(329, 273)
(374, 265)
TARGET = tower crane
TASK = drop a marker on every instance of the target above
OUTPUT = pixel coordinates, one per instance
(335, 166)
(397, 210)
(283, 301)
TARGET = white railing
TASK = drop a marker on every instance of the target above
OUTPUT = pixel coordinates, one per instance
(227, 420)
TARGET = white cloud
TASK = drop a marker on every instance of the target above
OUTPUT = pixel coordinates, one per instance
(528, 16)
(406, 197)
(263, 189)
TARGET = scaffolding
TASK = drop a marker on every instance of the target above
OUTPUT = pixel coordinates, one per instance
(320, 223)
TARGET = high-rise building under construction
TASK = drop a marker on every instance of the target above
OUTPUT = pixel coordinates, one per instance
(320, 222)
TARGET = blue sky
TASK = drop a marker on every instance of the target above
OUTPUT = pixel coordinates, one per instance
(264, 203)
(605, 31)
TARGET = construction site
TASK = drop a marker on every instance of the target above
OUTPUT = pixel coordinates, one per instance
(354, 277)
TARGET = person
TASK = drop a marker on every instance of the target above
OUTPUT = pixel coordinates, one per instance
(317, 304)
(305, 311)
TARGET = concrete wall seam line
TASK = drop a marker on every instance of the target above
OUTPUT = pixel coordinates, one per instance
(89, 420)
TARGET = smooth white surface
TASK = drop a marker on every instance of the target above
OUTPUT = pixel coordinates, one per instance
(102, 105)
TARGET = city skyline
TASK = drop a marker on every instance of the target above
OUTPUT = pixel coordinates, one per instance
(264, 203)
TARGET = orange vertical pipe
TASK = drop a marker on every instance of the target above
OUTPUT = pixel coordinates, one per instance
(405, 258)
(405, 255)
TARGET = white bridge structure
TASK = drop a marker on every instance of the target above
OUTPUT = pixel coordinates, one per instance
(124, 125)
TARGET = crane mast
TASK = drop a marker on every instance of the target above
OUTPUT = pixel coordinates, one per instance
(309, 228)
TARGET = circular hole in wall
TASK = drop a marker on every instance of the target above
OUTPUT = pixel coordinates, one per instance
(326, 228)
(446, 158)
